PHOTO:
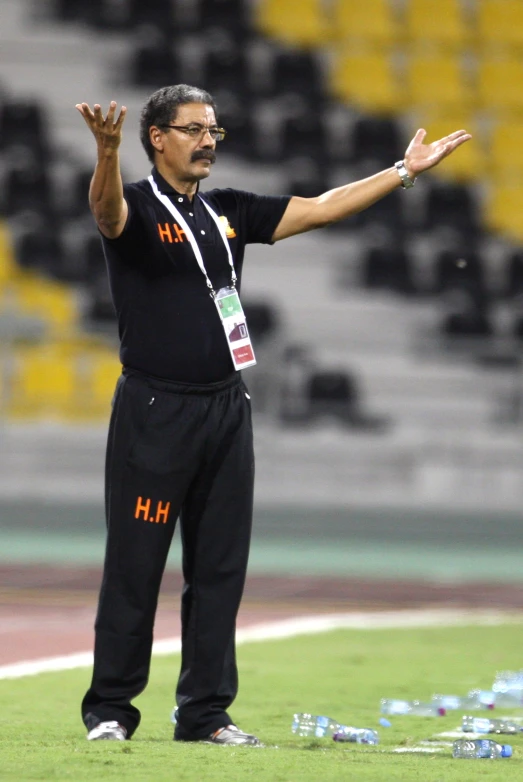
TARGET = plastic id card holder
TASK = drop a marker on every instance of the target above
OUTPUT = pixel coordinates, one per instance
(235, 326)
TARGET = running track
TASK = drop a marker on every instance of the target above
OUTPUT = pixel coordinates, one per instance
(49, 611)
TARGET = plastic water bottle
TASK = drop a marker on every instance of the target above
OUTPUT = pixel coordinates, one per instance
(476, 699)
(508, 688)
(414, 708)
(487, 725)
(508, 680)
(321, 727)
(480, 748)
(357, 735)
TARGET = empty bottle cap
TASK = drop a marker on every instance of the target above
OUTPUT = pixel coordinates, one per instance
(506, 751)
(442, 711)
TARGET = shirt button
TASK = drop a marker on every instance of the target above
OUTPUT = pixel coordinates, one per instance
(180, 200)
(191, 214)
(203, 232)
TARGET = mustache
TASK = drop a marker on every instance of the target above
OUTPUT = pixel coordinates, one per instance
(203, 154)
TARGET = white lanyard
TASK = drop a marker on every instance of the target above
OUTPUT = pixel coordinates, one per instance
(190, 236)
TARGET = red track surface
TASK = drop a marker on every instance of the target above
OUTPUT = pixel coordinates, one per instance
(49, 611)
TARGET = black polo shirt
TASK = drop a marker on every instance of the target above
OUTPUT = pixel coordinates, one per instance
(168, 324)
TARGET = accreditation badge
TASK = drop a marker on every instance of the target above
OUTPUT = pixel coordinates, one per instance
(234, 324)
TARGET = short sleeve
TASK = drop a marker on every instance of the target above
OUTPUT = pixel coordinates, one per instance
(259, 215)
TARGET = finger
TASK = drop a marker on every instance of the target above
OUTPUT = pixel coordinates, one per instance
(457, 142)
(457, 134)
(418, 139)
(85, 110)
(98, 116)
(110, 112)
(119, 121)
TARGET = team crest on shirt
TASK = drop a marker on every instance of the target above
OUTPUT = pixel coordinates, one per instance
(230, 233)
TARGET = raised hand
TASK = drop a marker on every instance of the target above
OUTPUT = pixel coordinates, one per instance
(107, 132)
(420, 157)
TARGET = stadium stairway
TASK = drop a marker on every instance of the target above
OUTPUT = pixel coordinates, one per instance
(433, 405)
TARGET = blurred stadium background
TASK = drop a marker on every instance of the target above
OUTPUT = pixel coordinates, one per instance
(389, 391)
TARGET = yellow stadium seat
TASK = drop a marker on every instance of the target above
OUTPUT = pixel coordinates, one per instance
(437, 81)
(102, 369)
(42, 384)
(440, 23)
(499, 24)
(8, 265)
(368, 81)
(506, 150)
(49, 300)
(500, 84)
(302, 23)
(367, 21)
(503, 210)
(468, 163)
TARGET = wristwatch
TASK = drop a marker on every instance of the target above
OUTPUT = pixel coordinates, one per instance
(406, 181)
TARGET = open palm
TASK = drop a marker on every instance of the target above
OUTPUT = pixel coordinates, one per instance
(419, 156)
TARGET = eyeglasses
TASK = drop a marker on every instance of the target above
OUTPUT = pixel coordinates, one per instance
(198, 131)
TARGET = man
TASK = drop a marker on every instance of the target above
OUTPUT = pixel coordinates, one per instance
(180, 437)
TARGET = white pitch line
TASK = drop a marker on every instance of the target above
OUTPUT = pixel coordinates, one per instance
(288, 628)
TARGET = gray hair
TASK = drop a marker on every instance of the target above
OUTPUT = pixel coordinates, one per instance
(162, 107)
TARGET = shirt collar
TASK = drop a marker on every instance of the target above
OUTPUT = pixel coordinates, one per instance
(165, 187)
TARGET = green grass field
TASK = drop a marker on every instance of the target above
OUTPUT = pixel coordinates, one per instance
(342, 674)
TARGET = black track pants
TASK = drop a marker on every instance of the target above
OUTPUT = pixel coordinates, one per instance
(174, 450)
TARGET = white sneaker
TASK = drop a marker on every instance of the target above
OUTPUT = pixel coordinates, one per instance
(233, 735)
(111, 731)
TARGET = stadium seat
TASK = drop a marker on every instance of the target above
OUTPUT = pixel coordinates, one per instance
(332, 393)
(505, 154)
(304, 136)
(70, 10)
(500, 85)
(226, 64)
(466, 313)
(42, 383)
(436, 81)
(452, 205)
(387, 213)
(295, 71)
(372, 22)
(27, 188)
(499, 24)
(451, 273)
(153, 12)
(42, 251)
(154, 61)
(387, 268)
(376, 139)
(368, 81)
(231, 15)
(336, 395)
(436, 23)
(306, 25)
(78, 200)
(514, 284)
(305, 177)
(23, 122)
(263, 320)
(100, 370)
(53, 302)
(503, 208)
(8, 266)
(237, 116)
